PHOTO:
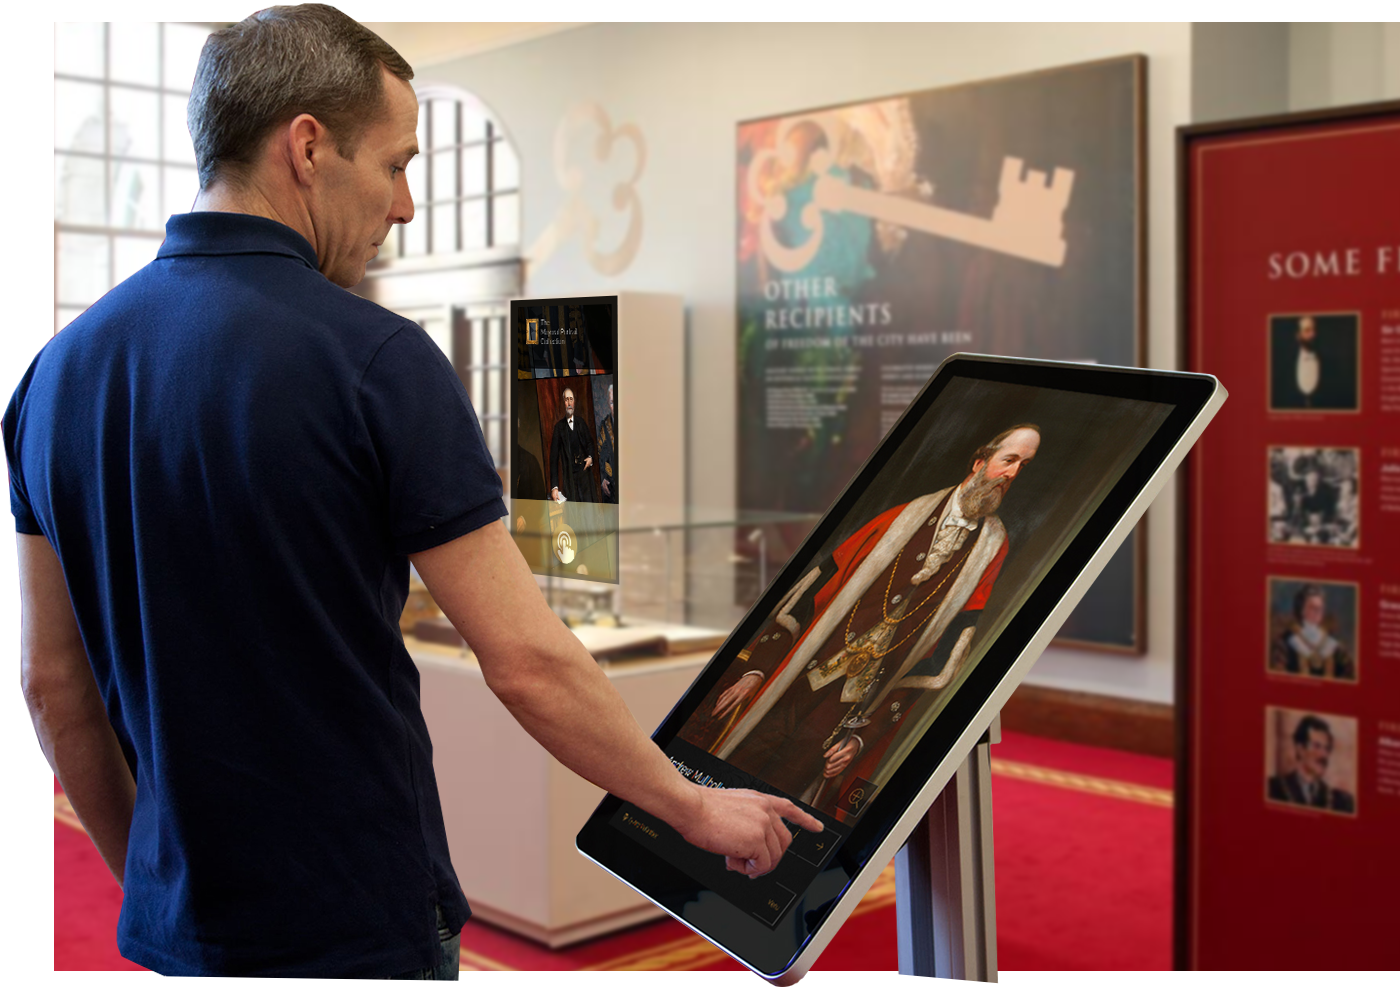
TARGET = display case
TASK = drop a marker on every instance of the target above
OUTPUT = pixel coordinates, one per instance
(511, 809)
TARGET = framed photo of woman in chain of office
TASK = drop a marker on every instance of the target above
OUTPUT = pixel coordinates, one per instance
(1313, 629)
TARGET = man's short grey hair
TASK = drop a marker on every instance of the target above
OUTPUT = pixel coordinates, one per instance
(260, 73)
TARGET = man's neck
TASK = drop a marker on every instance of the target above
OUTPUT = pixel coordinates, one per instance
(228, 198)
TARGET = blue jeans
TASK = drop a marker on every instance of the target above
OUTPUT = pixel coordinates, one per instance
(443, 971)
(441, 974)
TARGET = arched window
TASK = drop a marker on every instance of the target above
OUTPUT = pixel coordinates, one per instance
(454, 268)
(465, 180)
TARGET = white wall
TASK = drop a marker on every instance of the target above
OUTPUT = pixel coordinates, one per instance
(825, 13)
(1239, 70)
(686, 86)
(1331, 65)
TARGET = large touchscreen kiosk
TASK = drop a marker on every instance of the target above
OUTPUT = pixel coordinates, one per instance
(847, 685)
(877, 632)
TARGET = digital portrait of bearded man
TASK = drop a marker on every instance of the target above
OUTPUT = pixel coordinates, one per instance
(861, 639)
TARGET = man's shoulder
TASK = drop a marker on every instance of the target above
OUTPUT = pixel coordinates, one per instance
(276, 293)
(309, 298)
(1341, 801)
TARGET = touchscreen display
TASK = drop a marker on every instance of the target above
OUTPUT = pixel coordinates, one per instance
(564, 463)
(873, 634)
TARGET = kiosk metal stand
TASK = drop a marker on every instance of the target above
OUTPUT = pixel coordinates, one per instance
(945, 894)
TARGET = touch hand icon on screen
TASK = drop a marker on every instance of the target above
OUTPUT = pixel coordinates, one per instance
(1027, 222)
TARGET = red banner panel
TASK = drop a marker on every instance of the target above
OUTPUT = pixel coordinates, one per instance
(1290, 685)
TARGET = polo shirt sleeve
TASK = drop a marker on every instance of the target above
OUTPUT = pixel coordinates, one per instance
(438, 476)
(25, 521)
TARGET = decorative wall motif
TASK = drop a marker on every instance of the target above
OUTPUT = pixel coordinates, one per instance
(580, 219)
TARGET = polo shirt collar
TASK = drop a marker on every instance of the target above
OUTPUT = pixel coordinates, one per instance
(212, 232)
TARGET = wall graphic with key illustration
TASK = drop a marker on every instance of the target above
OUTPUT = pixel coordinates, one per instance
(877, 238)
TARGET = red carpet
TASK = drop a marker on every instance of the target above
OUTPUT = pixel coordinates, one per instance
(86, 899)
(1083, 874)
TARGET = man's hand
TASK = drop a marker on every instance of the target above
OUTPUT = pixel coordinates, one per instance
(552, 686)
(840, 755)
(606, 489)
(66, 707)
(745, 827)
(588, 462)
(737, 693)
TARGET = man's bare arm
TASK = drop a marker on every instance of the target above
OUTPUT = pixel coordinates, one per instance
(67, 709)
(554, 688)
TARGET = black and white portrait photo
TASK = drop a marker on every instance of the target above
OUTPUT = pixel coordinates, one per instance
(1314, 497)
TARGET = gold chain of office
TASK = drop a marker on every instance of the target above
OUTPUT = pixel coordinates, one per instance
(864, 657)
(857, 666)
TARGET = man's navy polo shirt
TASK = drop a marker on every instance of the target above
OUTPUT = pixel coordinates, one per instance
(232, 458)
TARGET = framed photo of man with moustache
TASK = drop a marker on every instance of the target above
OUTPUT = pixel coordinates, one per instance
(1314, 363)
(1310, 761)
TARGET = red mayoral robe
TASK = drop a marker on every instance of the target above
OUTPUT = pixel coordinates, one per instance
(868, 565)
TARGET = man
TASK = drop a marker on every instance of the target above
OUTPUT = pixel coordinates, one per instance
(1316, 501)
(1306, 646)
(864, 636)
(220, 473)
(1307, 783)
(607, 450)
(570, 456)
(1313, 370)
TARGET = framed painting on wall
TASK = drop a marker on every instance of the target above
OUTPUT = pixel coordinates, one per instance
(877, 238)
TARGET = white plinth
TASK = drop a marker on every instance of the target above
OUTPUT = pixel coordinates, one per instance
(512, 811)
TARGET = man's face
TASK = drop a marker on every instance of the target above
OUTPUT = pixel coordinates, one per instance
(569, 402)
(1313, 610)
(991, 478)
(1314, 756)
(1006, 462)
(1306, 330)
(357, 202)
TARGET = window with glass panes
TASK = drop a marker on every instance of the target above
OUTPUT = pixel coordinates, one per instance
(465, 181)
(123, 159)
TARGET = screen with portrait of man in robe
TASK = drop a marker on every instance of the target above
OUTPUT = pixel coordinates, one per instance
(871, 632)
(564, 471)
(884, 623)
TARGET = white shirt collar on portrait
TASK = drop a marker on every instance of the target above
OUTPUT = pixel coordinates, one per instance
(952, 514)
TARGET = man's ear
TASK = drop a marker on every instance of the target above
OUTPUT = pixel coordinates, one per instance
(307, 144)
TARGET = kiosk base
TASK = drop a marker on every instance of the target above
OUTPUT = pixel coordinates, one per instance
(945, 893)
